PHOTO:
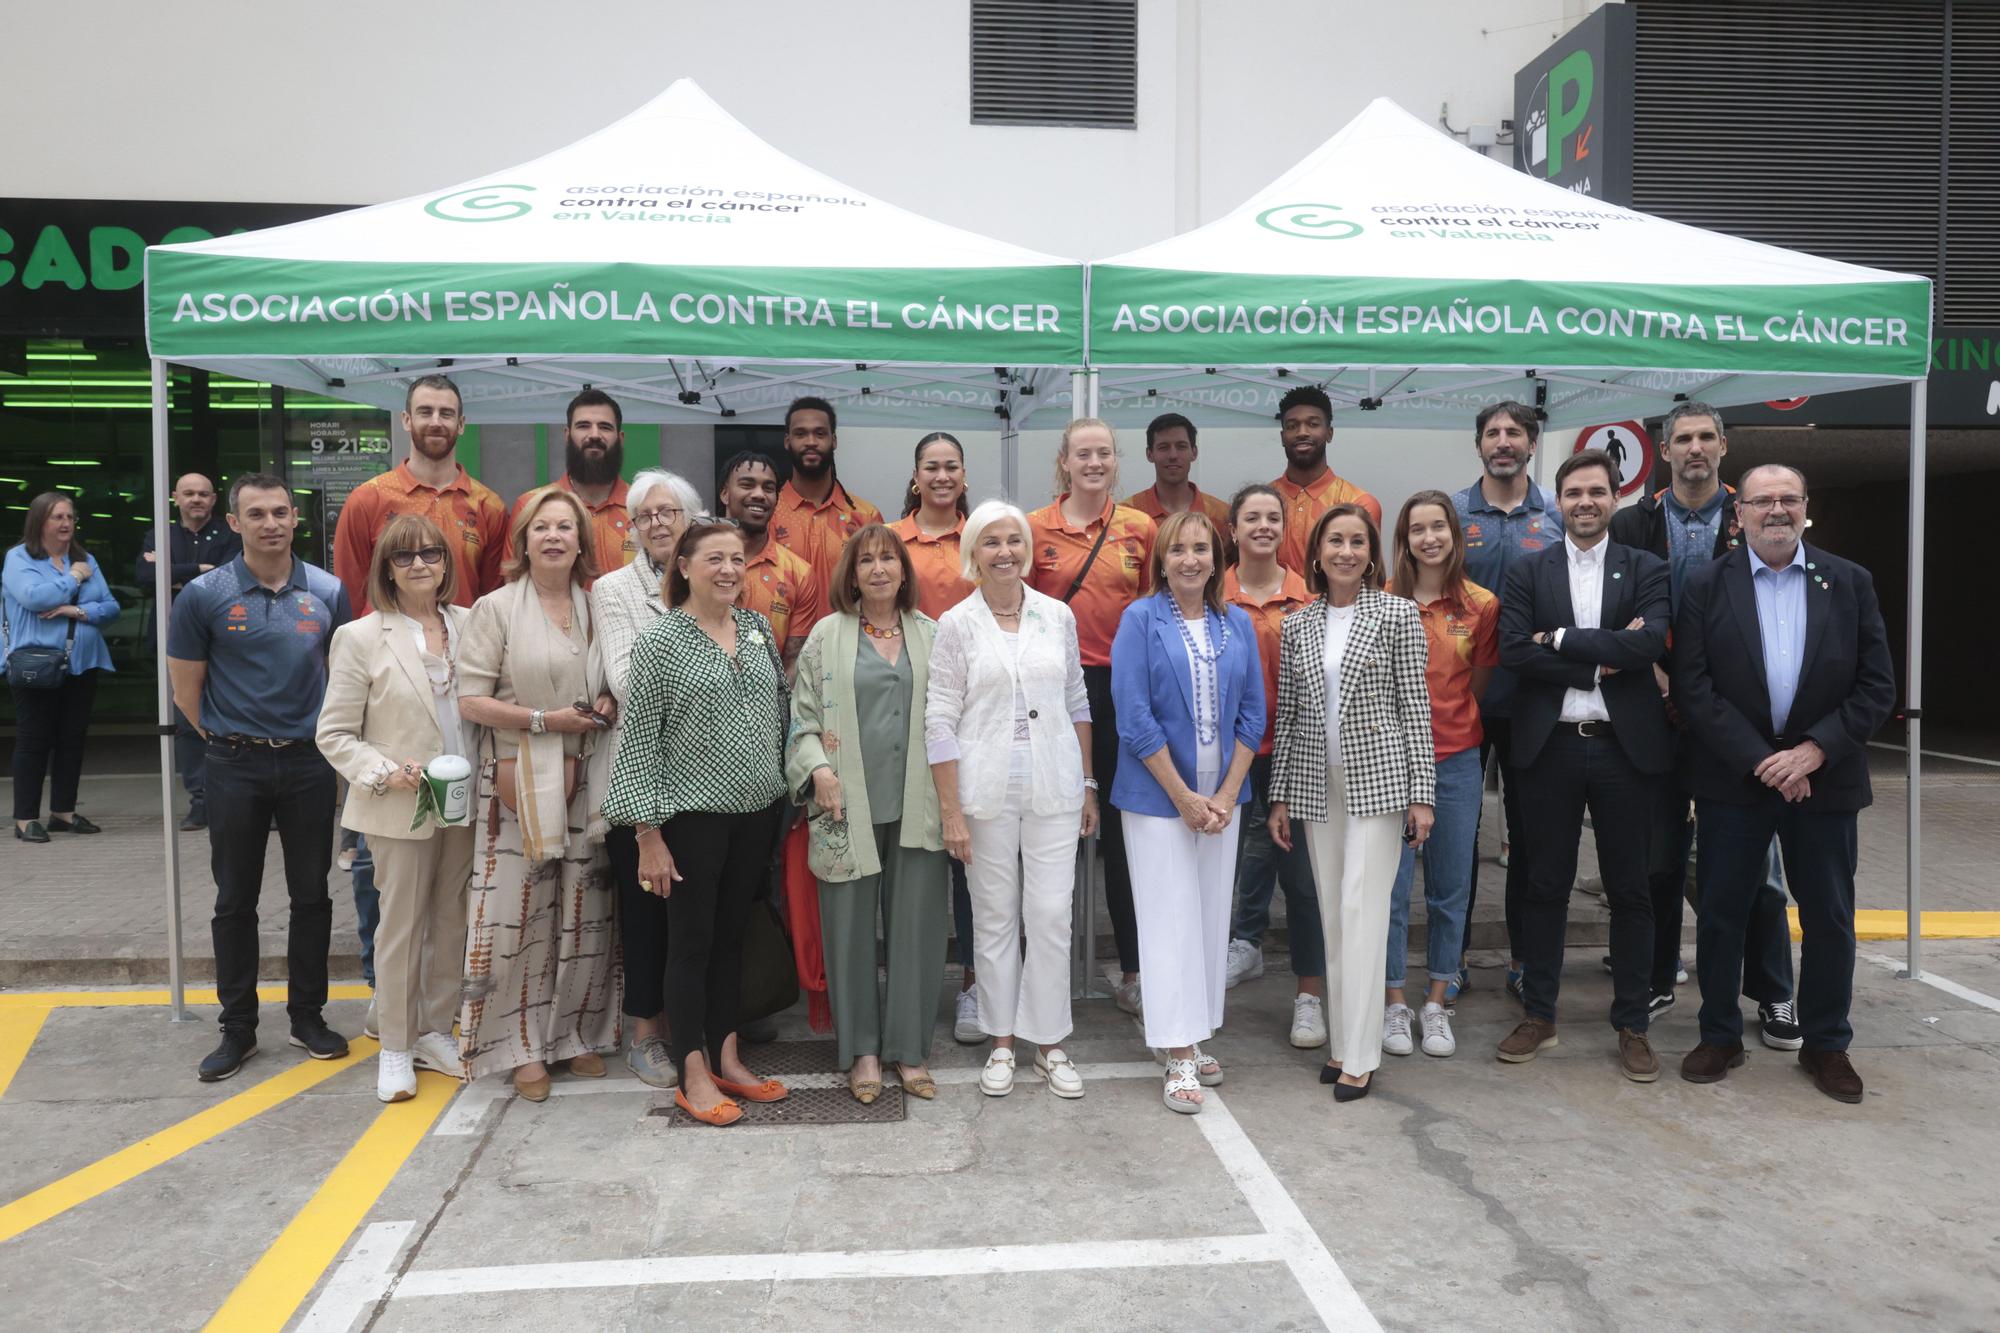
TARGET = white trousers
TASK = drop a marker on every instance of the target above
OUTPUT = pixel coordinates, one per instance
(1022, 880)
(1183, 884)
(1354, 863)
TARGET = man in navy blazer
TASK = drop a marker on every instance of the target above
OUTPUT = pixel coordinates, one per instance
(1581, 625)
(1782, 672)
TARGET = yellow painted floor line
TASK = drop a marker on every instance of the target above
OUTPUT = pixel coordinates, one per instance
(58, 1197)
(274, 1289)
(1879, 924)
(17, 1034)
(112, 999)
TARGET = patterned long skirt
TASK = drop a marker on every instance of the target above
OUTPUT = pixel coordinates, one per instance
(543, 976)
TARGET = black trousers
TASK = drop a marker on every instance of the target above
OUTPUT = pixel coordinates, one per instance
(249, 786)
(642, 928)
(1500, 740)
(722, 860)
(1573, 773)
(1110, 828)
(48, 743)
(1819, 852)
(189, 751)
(1767, 949)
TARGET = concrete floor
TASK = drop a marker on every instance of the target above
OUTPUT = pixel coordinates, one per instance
(1463, 1193)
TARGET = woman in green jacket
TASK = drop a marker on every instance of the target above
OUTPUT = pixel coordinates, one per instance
(875, 833)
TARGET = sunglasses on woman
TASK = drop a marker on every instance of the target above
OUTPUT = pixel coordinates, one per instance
(430, 555)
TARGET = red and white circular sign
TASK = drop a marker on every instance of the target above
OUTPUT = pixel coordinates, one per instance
(1630, 448)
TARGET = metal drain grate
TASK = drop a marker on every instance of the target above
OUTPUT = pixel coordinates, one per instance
(819, 1094)
(779, 1058)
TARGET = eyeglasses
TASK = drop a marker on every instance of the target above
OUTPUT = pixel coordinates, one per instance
(430, 555)
(1762, 504)
(654, 517)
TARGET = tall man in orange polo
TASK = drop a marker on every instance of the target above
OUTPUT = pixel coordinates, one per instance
(1309, 486)
(593, 469)
(432, 483)
(815, 514)
(778, 584)
(1170, 448)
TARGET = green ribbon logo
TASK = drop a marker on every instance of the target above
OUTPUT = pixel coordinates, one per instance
(481, 203)
(1308, 222)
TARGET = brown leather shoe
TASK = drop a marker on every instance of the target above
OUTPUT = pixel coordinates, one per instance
(1529, 1039)
(1636, 1060)
(588, 1065)
(532, 1089)
(1708, 1063)
(1833, 1073)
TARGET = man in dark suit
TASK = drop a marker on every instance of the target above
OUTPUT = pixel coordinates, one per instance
(1782, 672)
(1688, 524)
(1581, 625)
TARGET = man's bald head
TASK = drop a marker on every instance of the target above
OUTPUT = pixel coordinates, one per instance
(194, 497)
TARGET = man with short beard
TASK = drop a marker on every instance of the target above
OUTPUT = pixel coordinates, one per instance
(432, 483)
(1782, 672)
(594, 466)
(1309, 486)
(778, 584)
(815, 514)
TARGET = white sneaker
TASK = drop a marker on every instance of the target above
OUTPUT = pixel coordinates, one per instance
(997, 1079)
(437, 1051)
(1127, 996)
(965, 1027)
(1246, 963)
(1308, 1022)
(1060, 1070)
(1437, 1030)
(395, 1081)
(1396, 1030)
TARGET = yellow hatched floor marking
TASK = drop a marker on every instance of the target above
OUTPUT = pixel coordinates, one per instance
(1880, 924)
(17, 1034)
(79, 1187)
(117, 999)
(279, 1283)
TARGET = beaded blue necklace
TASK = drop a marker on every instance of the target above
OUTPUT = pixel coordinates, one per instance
(1201, 664)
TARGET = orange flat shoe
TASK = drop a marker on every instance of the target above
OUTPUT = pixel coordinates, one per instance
(770, 1090)
(724, 1112)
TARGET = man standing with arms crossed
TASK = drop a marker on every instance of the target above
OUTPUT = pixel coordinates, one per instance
(199, 542)
(246, 655)
(1309, 486)
(593, 471)
(815, 515)
(1690, 523)
(1506, 518)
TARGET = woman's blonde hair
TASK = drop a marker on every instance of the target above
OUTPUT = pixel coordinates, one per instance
(1062, 451)
(584, 570)
(409, 532)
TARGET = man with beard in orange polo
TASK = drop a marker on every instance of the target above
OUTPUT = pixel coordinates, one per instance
(815, 514)
(593, 470)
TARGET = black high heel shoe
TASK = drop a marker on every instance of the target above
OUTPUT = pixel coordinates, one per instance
(1329, 1073)
(1353, 1092)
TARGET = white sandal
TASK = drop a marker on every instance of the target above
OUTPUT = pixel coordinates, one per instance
(1207, 1069)
(997, 1079)
(1181, 1078)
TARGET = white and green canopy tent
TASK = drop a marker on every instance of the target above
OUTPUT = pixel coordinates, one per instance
(673, 259)
(1417, 280)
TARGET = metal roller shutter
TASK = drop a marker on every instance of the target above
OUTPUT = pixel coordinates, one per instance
(1055, 62)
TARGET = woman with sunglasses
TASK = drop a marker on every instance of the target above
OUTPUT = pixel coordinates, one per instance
(391, 707)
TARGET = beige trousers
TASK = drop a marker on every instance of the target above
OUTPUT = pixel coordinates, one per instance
(420, 942)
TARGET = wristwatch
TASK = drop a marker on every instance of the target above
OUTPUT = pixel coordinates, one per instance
(538, 722)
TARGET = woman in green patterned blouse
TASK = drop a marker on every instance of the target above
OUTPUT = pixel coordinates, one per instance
(697, 777)
(874, 835)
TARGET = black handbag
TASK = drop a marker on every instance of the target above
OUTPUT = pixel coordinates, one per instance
(36, 666)
(770, 978)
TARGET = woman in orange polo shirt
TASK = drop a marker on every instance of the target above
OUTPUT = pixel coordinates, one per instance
(1461, 624)
(933, 522)
(1098, 579)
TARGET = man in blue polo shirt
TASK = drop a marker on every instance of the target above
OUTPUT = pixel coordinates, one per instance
(246, 653)
(1506, 517)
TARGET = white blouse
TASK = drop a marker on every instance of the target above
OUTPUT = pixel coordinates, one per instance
(443, 675)
(1339, 623)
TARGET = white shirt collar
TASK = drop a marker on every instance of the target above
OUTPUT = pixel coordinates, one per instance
(1758, 565)
(1593, 556)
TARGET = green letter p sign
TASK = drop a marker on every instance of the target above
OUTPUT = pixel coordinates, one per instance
(1566, 112)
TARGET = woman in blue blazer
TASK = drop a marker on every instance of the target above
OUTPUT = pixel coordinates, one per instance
(1190, 701)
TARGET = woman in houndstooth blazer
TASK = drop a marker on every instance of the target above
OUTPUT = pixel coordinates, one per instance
(1355, 764)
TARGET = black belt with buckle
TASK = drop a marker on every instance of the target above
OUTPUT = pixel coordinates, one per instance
(1591, 727)
(274, 742)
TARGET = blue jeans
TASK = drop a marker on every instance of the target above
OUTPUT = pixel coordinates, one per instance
(1447, 873)
(1262, 865)
(367, 906)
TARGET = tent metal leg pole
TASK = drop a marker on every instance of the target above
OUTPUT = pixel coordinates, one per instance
(163, 592)
(1913, 686)
(1010, 462)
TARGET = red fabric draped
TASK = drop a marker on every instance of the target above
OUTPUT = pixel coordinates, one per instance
(802, 913)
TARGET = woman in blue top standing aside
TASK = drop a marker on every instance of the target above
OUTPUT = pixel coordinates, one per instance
(55, 599)
(1189, 693)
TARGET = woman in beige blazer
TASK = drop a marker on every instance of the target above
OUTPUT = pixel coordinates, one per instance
(391, 707)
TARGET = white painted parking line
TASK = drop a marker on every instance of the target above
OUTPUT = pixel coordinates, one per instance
(835, 1265)
(1933, 980)
(1340, 1307)
(359, 1281)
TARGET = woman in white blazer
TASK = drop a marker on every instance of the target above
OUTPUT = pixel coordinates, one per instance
(391, 707)
(1352, 757)
(622, 604)
(1007, 728)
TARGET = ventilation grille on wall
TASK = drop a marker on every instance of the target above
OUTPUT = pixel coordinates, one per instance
(1970, 292)
(1055, 62)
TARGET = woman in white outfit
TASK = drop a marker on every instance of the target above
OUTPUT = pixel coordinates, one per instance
(1007, 728)
(1189, 692)
(1352, 757)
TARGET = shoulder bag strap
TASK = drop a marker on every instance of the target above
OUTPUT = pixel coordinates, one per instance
(1090, 559)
